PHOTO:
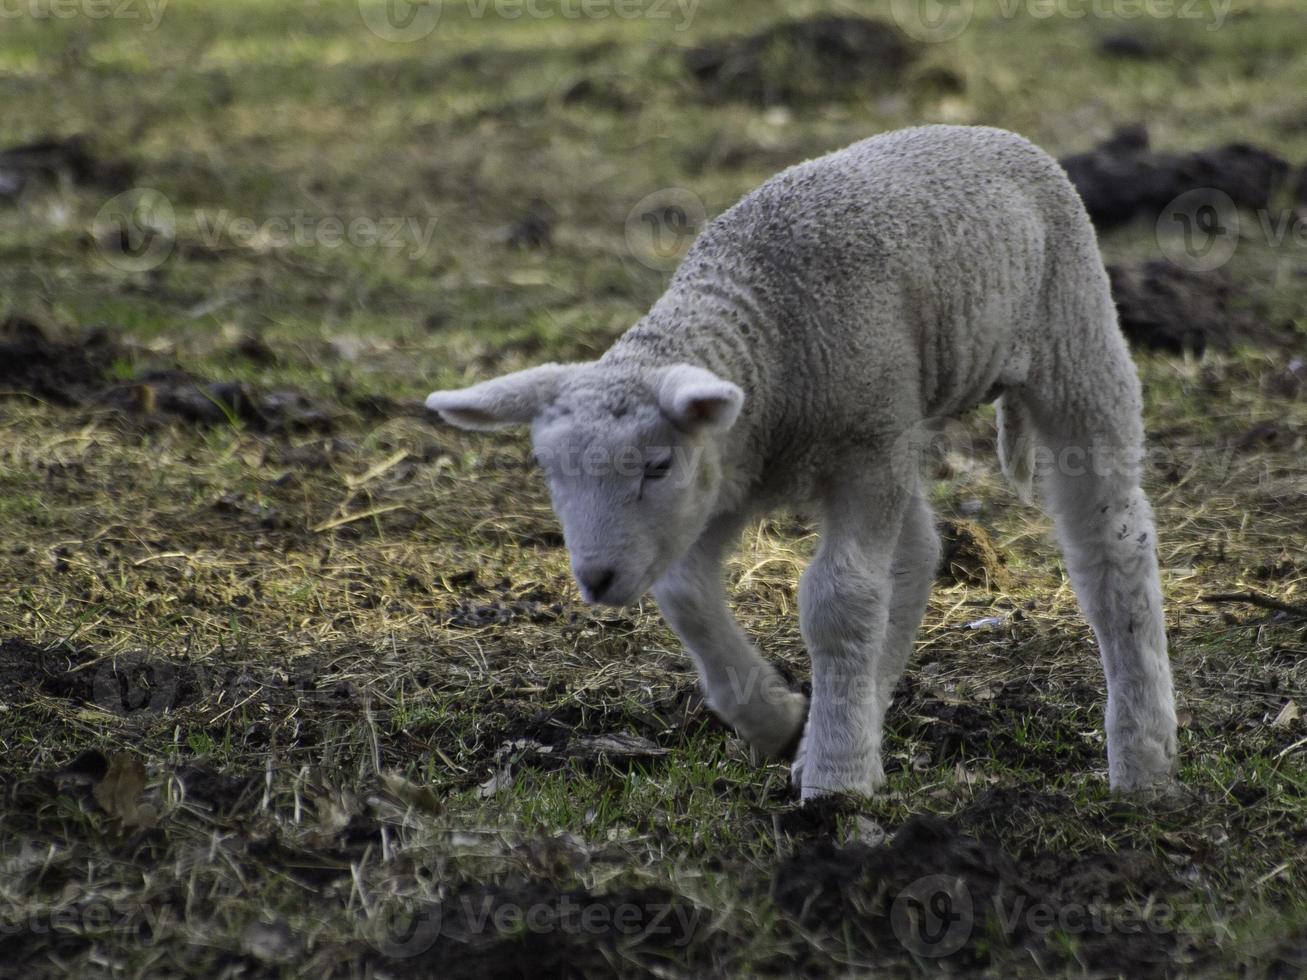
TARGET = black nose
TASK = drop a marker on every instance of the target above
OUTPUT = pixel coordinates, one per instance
(597, 580)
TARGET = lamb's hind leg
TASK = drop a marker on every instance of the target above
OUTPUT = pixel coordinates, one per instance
(744, 690)
(1110, 546)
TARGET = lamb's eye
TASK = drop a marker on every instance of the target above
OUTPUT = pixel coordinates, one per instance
(658, 468)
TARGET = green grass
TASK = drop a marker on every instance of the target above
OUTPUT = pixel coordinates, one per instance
(294, 599)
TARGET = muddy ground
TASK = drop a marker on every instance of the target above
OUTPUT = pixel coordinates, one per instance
(295, 682)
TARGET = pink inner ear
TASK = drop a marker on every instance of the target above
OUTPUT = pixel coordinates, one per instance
(700, 409)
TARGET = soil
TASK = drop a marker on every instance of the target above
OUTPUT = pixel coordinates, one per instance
(1122, 179)
(123, 684)
(71, 372)
(971, 558)
(1128, 46)
(820, 58)
(1164, 307)
(50, 161)
(539, 931)
(944, 894)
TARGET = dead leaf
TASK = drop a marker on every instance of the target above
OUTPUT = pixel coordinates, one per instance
(333, 813)
(269, 942)
(1287, 716)
(502, 779)
(618, 745)
(864, 830)
(412, 794)
(119, 793)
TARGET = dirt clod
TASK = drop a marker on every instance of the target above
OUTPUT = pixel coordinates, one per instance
(1124, 45)
(71, 370)
(484, 930)
(939, 892)
(820, 58)
(1164, 307)
(1122, 179)
(49, 161)
(534, 229)
(970, 557)
(63, 373)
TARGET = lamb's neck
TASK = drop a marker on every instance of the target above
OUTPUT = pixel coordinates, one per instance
(706, 324)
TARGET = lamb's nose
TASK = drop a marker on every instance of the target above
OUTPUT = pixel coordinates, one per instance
(595, 581)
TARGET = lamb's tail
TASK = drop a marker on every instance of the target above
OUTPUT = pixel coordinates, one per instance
(1016, 444)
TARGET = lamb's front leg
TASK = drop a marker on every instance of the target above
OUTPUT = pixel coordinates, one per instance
(744, 690)
(844, 603)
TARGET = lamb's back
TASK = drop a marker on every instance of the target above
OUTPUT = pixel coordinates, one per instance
(906, 273)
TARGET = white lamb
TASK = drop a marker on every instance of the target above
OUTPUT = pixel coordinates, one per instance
(844, 305)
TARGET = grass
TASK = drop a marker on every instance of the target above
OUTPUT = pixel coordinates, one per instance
(349, 663)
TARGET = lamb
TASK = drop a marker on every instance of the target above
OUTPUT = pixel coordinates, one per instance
(814, 330)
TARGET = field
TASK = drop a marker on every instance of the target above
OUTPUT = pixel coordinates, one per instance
(295, 682)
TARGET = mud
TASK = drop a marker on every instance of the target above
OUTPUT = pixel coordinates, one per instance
(529, 928)
(1131, 46)
(820, 58)
(1163, 307)
(941, 893)
(587, 737)
(51, 161)
(970, 557)
(61, 372)
(975, 726)
(71, 371)
(123, 684)
(1122, 179)
(534, 229)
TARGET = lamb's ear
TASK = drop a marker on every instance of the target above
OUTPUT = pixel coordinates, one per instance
(694, 398)
(515, 398)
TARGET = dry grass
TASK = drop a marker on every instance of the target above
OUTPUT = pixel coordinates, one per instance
(308, 704)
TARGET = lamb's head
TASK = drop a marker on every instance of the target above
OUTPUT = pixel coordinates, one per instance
(633, 458)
